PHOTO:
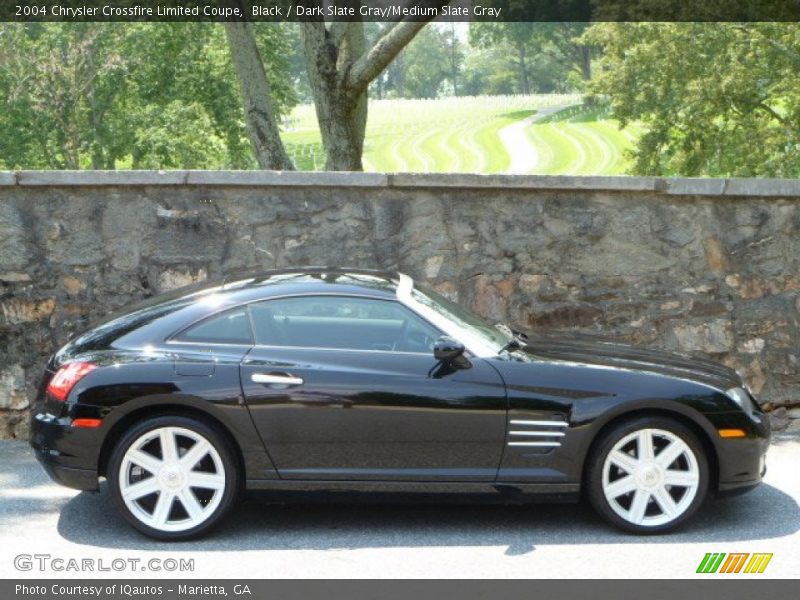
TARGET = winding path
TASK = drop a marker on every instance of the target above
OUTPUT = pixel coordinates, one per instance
(523, 153)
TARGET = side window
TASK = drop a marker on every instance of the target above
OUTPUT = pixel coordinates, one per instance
(232, 327)
(341, 322)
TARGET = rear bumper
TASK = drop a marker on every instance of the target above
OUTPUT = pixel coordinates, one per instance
(78, 479)
(69, 455)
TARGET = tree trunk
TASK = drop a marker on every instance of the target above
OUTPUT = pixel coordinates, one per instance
(454, 73)
(586, 62)
(342, 125)
(342, 119)
(340, 70)
(398, 76)
(95, 122)
(260, 119)
(454, 58)
(523, 70)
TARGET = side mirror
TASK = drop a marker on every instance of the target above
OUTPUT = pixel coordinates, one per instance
(450, 355)
(446, 349)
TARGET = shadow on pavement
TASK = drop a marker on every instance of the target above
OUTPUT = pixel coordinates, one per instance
(259, 523)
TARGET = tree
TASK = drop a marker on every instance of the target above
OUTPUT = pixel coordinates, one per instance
(562, 42)
(108, 95)
(185, 137)
(261, 119)
(455, 55)
(427, 64)
(340, 64)
(423, 66)
(518, 36)
(488, 71)
(340, 67)
(717, 99)
(191, 63)
(542, 52)
(58, 86)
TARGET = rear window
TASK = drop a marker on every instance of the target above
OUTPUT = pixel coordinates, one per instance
(231, 327)
(103, 336)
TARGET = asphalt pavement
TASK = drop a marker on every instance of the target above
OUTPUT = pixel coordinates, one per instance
(262, 539)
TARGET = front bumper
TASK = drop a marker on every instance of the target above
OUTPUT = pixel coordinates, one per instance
(742, 461)
(69, 455)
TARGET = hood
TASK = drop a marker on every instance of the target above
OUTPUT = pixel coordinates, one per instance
(597, 351)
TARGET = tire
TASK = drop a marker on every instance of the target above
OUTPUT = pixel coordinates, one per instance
(183, 497)
(657, 493)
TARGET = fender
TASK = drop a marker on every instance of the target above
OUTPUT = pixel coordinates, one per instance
(233, 418)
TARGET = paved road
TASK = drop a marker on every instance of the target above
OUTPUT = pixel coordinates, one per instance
(328, 540)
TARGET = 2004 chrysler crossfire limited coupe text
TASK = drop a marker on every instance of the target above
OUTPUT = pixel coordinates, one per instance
(356, 380)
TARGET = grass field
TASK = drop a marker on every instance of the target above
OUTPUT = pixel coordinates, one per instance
(579, 141)
(485, 134)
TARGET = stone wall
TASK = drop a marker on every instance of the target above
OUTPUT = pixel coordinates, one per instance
(705, 266)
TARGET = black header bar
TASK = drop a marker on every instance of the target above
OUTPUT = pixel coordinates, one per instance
(397, 10)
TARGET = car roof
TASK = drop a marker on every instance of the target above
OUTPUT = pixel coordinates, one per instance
(252, 285)
(160, 316)
(310, 271)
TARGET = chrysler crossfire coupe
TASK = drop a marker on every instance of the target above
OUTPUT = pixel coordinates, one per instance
(322, 379)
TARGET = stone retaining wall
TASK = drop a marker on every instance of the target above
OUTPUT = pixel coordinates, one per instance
(698, 265)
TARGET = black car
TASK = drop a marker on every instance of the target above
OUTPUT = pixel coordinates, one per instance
(356, 380)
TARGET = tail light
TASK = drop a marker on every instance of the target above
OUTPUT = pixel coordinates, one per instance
(66, 377)
(87, 423)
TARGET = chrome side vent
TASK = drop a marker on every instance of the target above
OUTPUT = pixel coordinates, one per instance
(536, 434)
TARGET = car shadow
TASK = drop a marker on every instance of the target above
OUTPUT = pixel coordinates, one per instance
(269, 522)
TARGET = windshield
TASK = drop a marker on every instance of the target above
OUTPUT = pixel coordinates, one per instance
(466, 325)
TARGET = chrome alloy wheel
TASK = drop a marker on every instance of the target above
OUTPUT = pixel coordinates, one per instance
(650, 477)
(171, 479)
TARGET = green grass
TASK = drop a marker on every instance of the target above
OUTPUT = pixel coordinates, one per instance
(580, 141)
(462, 135)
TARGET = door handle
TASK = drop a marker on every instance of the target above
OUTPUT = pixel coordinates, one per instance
(280, 378)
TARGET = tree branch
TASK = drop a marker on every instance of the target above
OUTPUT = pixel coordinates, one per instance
(369, 66)
(337, 31)
(773, 113)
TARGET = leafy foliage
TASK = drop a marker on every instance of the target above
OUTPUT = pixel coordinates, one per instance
(717, 99)
(427, 65)
(546, 57)
(115, 95)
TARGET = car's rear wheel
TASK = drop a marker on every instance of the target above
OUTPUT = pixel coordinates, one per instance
(173, 477)
(648, 475)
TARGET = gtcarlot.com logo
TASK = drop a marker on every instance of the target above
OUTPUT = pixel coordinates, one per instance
(735, 562)
(59, 564)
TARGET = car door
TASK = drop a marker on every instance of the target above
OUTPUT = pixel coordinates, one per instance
(346, 388)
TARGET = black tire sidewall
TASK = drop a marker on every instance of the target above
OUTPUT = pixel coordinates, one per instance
(604, 445)
(210, 433)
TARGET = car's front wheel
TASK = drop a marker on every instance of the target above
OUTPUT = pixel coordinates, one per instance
(648, 475)
(173, 477)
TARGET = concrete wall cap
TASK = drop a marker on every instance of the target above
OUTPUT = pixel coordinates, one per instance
(288, 178)
(100, 178)
(552, 182)
(670, 186)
